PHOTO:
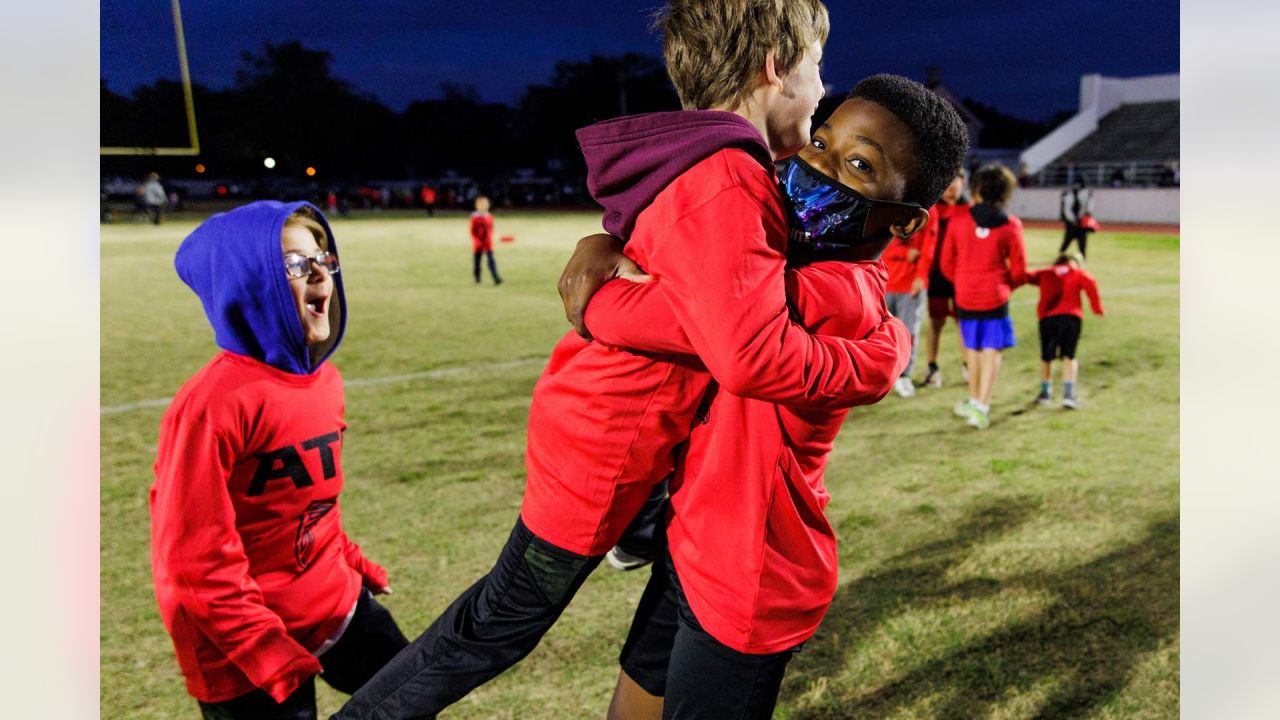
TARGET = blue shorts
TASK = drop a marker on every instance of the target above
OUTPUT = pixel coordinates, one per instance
(988, 333)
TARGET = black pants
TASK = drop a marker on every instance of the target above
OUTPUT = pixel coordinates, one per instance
(370, 640)
(490, 627)
(1077, 233)
(493, 267)
(667, 653)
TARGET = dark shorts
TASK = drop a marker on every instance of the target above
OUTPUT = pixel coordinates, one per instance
(940, 308)
(940, 286)
(369, 642)
(1059, 335)
(667, 653)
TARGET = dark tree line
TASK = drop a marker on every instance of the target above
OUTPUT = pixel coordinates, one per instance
(287, 104)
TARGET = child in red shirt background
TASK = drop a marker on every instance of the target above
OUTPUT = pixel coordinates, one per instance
(257, 583)
(1061, 315)
(908, 261)
(985, 258)
(482, 239)
(942, 305)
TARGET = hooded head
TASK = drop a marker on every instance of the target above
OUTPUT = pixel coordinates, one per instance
(235, 264)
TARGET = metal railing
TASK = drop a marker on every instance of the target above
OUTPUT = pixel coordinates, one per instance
(1130, 173)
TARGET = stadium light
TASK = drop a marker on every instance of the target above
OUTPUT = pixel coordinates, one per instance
(269, 162)
(311, 172)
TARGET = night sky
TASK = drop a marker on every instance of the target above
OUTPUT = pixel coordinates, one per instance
(1024, 57)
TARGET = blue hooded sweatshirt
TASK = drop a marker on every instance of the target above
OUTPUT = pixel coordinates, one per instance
(234, 263)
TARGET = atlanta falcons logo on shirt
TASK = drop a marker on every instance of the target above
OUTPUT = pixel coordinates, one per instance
(304, 542)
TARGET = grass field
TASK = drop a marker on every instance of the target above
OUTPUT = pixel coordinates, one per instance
(1027, 571)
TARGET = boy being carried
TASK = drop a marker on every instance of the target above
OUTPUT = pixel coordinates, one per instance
(752, 559)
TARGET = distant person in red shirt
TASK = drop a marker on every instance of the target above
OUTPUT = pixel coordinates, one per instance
(941, 292)
(908, 261)
(482, 239)
(428, 195)
(257, 583)
(1061, 316)
(985, 258)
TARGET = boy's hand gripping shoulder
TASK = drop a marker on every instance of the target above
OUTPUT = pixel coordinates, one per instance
(201, 562)
(722, 278)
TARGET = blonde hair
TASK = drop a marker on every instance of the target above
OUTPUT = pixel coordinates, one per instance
(307, 219)
(714, 48)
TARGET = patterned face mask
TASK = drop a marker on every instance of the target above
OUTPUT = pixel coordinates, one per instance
(827, 214)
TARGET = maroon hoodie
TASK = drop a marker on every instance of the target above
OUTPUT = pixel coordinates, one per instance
(631, 159)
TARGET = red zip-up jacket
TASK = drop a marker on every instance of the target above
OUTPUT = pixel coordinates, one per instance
(748, 534)
(903, 271)
(984, 257)
(1060, 289)
(253, 572)
(604, 422)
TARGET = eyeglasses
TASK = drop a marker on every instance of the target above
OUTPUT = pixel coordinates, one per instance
(297, 265)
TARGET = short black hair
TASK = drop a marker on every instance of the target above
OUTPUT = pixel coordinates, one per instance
(941, 139)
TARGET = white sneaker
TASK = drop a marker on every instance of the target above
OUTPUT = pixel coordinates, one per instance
(977, 418)
(961, 409)
(904, 387)
(1070, 403)
(620, 560)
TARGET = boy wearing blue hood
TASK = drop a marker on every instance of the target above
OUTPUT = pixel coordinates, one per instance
(258, 585)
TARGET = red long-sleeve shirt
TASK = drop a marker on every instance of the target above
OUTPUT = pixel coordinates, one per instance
(253, 572)
(903, 271)
(481, 232)
(755, 553)
(1060, 289)
(984, 263)
(604, 422)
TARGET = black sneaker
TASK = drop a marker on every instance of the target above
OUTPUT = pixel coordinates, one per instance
(1044, 398)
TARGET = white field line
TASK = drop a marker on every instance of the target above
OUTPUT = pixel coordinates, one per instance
(456, 370)
(443, 372)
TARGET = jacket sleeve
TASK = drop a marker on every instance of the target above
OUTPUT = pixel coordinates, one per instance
(1017, 255)
(949, 253)
(1033, 276)
(725, 284)
(1091, 289)
(199, 562)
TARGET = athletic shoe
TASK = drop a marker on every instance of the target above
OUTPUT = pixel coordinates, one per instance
(977, 418)
(1070, 403)
(933, 379)
(1043, 398)
(620, 560)
(904, 387)
(961, 409)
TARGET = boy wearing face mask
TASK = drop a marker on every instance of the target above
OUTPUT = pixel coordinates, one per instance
(258, 585)
(751, 562)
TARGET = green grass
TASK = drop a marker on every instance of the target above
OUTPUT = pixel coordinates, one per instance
(1027, 571)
